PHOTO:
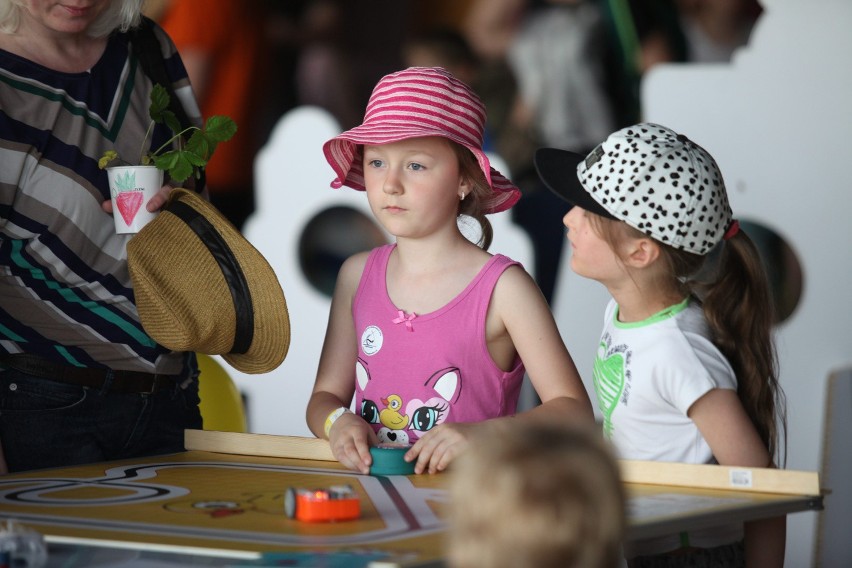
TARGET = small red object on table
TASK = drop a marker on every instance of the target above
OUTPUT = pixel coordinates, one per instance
(336, 503)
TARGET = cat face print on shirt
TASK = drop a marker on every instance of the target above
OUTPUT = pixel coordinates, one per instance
(407, 411)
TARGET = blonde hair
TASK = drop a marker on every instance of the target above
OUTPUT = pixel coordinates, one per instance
(539, 495)
(120, 15)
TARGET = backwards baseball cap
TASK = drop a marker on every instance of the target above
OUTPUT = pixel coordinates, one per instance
(652, 178)
(414, 103)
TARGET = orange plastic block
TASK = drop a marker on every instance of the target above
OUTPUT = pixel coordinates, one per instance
(338, 503)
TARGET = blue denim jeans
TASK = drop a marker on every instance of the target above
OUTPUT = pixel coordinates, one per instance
(44, 423)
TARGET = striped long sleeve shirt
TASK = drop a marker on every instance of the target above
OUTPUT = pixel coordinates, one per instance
(65, 291)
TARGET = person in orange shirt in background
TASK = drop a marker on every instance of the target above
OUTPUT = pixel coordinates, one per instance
(223, 49)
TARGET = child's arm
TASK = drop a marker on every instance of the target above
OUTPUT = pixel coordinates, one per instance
(730, 433)
(526, 316)
(724, 424)
(519, 312)
(350, 436)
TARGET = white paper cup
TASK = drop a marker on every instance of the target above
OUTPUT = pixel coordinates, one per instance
(131, 188)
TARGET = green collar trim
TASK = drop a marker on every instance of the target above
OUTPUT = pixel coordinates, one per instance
(663, 314)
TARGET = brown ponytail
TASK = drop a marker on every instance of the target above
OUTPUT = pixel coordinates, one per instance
(738, 307)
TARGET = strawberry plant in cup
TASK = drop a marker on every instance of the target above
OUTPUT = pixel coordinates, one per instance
(181, 156)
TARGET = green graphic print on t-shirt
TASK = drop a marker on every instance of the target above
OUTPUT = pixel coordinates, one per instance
(609, 383)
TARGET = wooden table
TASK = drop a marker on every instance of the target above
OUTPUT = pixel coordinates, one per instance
(221, 504)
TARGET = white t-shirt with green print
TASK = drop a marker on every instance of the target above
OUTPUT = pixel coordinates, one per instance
(647, 374)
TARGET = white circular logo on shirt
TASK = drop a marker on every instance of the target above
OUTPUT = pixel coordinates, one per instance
(371, 340)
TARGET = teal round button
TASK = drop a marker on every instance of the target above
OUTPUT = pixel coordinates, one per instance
(388, 460)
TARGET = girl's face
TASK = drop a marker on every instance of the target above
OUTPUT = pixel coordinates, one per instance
(64, 16)
(591, 255)
(414, 185)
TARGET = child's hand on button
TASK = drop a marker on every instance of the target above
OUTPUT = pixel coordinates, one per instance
(350, 439)
(440, 446)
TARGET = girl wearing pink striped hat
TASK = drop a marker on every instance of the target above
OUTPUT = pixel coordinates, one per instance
(431, 335)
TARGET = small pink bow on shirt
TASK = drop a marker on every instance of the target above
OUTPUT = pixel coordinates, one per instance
(405, 319)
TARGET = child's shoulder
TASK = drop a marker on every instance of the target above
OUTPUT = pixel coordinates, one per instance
(481, 261)
(514, 281)
(353, 267)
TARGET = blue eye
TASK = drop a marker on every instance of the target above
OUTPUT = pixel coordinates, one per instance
(375, 163)
(416, 167)
(369, 411)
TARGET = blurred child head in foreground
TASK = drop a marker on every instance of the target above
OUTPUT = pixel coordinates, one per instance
(538, 495)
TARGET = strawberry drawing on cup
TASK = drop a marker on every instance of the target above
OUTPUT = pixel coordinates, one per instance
(127, 198)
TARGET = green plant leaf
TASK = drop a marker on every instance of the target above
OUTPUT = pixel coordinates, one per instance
(167, 161)
(159, 103)
(199, 145)
(211, 147)
(182, 169)
(190, 156)
(195, 159)
(171, 121)
(220, 128)
(176, 163)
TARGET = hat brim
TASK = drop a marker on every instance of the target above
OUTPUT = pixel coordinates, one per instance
(558, 171)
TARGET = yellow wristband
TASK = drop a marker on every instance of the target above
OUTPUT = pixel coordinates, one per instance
(332, 418)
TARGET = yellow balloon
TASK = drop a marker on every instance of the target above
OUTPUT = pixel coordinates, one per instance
(221, 405)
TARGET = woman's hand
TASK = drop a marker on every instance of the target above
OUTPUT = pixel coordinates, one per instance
(440, 446)
(350, 439)
(154, 204)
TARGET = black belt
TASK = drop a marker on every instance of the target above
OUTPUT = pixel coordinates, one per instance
(94, 377)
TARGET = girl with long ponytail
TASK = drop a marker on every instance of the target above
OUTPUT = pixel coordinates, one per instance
(686, 368)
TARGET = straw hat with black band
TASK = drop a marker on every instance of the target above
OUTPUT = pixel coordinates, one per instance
(201, 286)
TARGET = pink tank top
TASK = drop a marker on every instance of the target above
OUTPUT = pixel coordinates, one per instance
(415, 371)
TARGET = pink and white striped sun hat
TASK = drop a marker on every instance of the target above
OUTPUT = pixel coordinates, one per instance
(414, 103)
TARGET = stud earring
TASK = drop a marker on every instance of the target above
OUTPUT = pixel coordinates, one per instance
(462, 196)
